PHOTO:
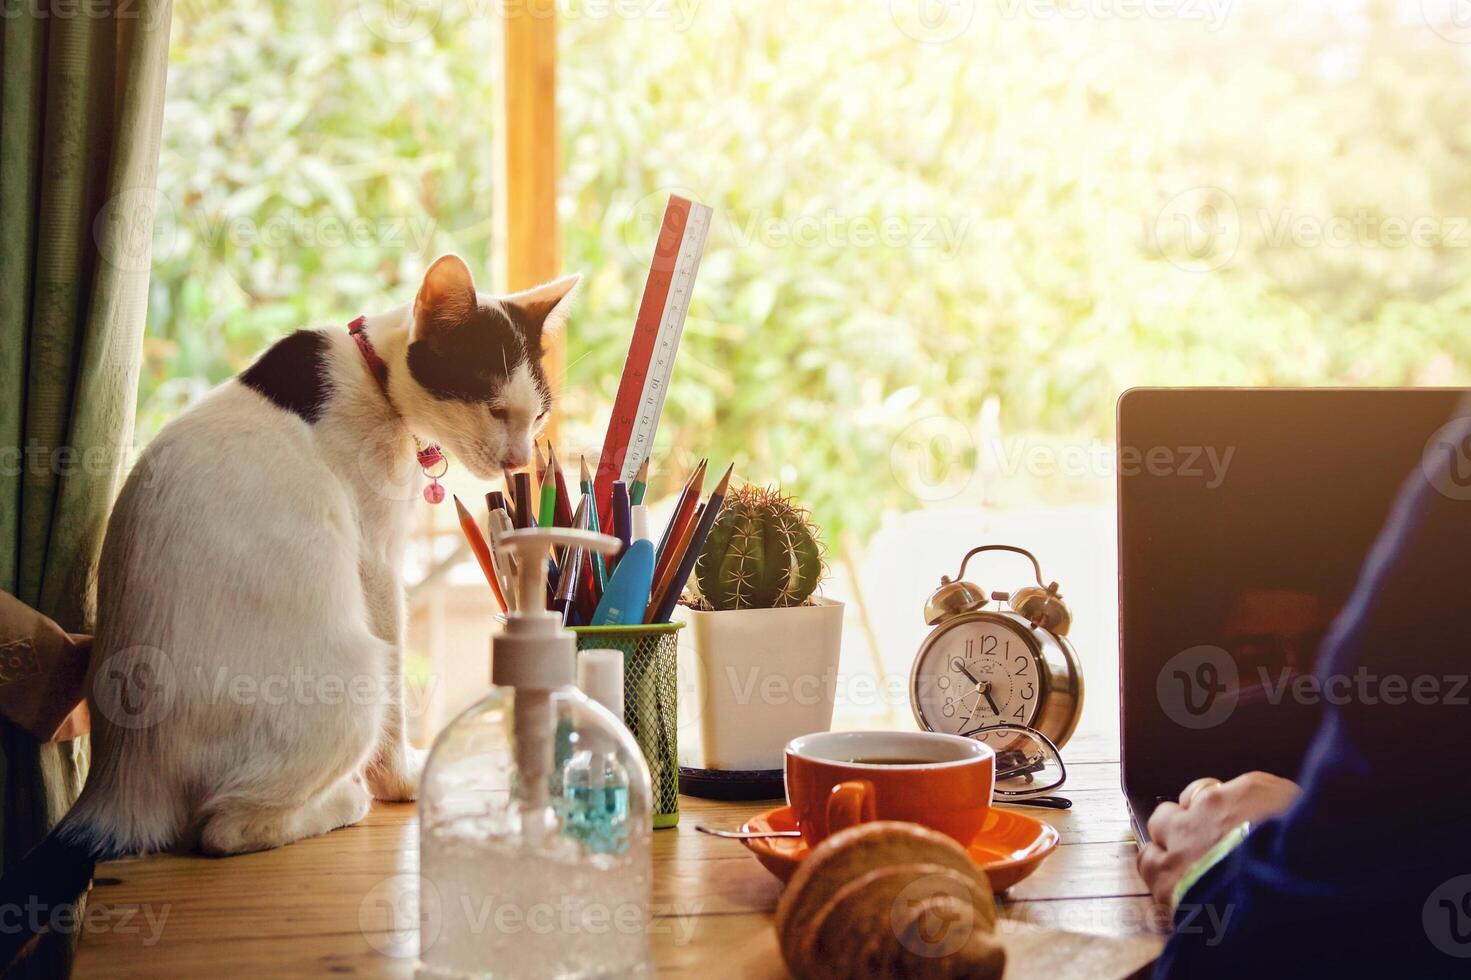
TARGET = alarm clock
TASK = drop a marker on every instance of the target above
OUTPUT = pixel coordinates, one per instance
(1005, 664)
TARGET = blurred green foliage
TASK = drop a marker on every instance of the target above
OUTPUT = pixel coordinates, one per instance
(1043, 210)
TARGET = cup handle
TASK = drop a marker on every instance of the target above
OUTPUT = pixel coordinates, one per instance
(851, 803)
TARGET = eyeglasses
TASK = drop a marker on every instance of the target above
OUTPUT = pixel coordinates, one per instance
(1028, 766)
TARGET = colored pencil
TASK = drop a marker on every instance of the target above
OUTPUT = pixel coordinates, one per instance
(481, 550)
(547, 515)
(525, 515)
(600, 567)
(563, 514)
(692, 551)
(680, 521)
(663, 580)
(541, 464)
(640, 483)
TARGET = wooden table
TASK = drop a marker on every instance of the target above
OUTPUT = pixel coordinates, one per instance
(341, 903)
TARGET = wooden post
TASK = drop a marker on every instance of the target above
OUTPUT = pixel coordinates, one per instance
(528, 246)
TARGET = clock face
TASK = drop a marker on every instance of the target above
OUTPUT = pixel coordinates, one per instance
(977, 673)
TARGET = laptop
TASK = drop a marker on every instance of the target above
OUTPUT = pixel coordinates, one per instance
(1244, 516)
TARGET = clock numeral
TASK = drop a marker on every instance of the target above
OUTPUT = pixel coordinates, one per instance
(970, 649)
(988, 645)
(949, 709)
(1018, 713)
(1022, 664)
(1028, 692)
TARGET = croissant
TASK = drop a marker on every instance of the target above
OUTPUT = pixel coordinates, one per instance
(889, 900)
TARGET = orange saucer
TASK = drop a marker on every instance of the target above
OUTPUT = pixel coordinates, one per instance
(1009, 847)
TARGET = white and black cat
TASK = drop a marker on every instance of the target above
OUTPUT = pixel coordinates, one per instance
(260, 538)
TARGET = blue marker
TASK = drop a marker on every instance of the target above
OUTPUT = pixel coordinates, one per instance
(627, 594)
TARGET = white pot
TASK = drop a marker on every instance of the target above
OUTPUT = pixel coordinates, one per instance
(761, 678)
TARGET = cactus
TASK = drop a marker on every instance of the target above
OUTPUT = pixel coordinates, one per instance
(762, 553)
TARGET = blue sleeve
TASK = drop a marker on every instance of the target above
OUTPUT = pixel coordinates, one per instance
(1369, 873)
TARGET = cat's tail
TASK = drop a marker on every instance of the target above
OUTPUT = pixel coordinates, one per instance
(50, 879)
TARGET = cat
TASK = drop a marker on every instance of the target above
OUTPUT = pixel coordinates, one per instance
(246, 677)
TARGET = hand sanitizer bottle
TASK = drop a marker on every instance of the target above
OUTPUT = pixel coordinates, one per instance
(516, 878)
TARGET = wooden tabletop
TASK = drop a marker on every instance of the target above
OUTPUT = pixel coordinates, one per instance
(343, 903)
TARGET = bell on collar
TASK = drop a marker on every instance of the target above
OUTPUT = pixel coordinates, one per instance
(952, 599)
(1042, 608)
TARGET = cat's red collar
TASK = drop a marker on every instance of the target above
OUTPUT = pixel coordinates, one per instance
(430, 456)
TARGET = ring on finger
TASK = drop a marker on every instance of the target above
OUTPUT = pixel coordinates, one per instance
(1195, 789)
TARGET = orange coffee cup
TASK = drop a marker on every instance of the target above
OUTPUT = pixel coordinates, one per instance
(838, 779)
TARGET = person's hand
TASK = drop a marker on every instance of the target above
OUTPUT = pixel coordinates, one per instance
(1181, 833)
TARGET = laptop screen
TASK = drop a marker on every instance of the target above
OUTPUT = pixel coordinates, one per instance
(1244, 516)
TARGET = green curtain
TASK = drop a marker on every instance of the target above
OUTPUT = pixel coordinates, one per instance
(81, 89)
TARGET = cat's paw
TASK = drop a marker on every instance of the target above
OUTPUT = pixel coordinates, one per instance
(394, 777)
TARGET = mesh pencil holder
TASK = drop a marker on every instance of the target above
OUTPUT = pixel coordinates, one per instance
(650, 700)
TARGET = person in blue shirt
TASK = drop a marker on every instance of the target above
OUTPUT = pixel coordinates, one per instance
(1362, 867)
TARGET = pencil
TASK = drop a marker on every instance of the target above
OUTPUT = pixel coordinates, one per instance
(692, 552)
(600, 567)
(563, 513)
(541, 464)
(471, 530)
(663, 580)
(683, 517)
(548, 513)
(640, 484)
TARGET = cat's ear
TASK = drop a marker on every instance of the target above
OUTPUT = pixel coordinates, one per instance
(546, 307)
(446, 297)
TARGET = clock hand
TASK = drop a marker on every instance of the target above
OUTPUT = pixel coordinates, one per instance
(960, 665)
(985, 690)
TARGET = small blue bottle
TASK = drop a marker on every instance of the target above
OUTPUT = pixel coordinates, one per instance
(595, 783)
